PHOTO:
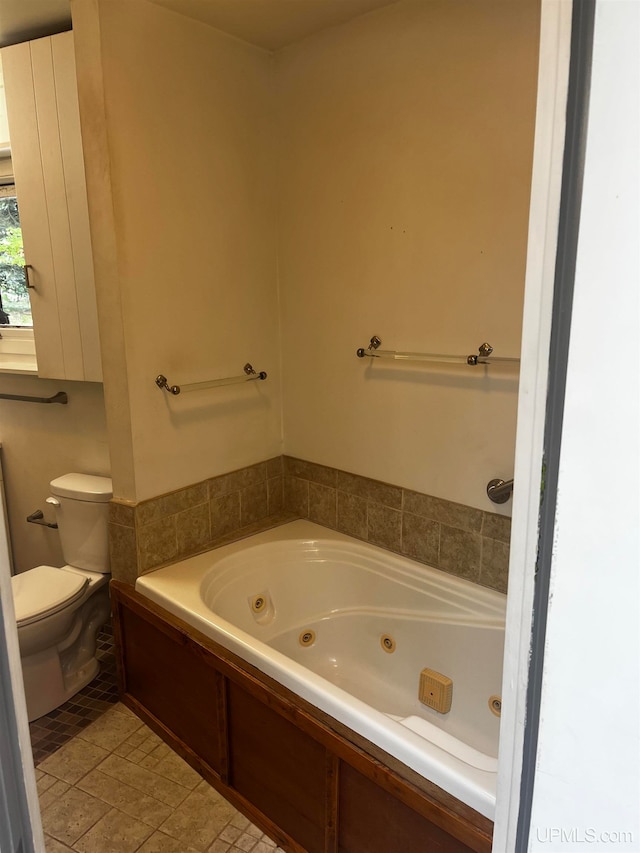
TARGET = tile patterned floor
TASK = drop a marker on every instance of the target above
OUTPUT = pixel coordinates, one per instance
(50, 732)
(116, 787)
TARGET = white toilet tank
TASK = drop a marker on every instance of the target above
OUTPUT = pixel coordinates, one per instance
(82, 513)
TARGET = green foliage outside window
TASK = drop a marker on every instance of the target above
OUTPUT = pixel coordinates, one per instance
(15, 309)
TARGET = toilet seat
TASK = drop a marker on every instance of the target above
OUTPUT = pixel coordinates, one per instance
(45, 590)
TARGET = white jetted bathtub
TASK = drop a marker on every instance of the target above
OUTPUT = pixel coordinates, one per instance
(349, 627)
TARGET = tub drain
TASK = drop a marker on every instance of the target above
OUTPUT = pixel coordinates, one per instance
(495, 705)
(307, 638)
(388, 643)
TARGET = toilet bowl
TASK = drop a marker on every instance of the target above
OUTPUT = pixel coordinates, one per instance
(59, 610)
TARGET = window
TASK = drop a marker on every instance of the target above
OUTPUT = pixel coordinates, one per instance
(15, 309)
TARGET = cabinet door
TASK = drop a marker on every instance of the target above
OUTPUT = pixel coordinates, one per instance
(46, 148)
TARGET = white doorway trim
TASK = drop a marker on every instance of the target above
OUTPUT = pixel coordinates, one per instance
(19, 809)
(544, 215)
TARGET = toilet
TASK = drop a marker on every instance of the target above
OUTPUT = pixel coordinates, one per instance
(59, 611)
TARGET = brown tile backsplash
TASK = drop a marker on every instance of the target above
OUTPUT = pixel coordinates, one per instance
(296, 496)
(275, 494)
(310, 471)
(237, 480)
(253, 503)
(446, 512)
(494, 566)
(497, 527)
(455, 538)
(322, 505)
(193, 529)
(384, 526)
(371, 490)
(225, 514)
(147, 535)
(352, 515)
(458, 539)
(460, 552)
(420, 538)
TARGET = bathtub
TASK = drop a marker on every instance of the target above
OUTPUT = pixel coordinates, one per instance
(349, 627)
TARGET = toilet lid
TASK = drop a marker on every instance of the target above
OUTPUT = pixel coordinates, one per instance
(43, 591)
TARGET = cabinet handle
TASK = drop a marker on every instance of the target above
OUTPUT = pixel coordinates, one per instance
(28, 267)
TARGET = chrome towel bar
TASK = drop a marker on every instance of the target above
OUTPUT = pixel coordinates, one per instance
(60, 397)
(249, 375)
(483, 356)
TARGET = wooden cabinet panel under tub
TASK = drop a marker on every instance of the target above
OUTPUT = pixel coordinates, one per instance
(278, 768)
(175, 682)
(308, 781)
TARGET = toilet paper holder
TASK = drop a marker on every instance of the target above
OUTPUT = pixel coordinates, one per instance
(37, 517)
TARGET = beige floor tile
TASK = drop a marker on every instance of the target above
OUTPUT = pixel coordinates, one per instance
(53, 793)
(254, 830)
(240, 821)
(219, 846)
(71, 815)
(209, 791)
(119, 706)
(73, 760)
(246, 842)
(264, 847)
(149, 761)
(150, 742)
(230, 833)
(116, 832)
(111, 729)
(171, 766)
(137, 737)
(143, 780)
(153, 758)
(199, 819)
(53, 846)
(123, 749)
(136, 756)
(133, 802)
(161, 843)
(44, 781)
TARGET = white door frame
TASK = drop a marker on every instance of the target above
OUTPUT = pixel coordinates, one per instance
(544, 217)
(19, 809)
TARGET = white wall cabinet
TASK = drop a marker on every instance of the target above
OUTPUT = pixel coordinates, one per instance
(46, 145)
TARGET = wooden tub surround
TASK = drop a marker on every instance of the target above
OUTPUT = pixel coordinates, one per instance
(311, 783)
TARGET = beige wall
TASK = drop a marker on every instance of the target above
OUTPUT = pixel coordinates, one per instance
(405, 146)
(182, 117)
(40, 442)
(393, 154)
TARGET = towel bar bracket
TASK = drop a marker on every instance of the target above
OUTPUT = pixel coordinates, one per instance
(162, 382)
(499, 491)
